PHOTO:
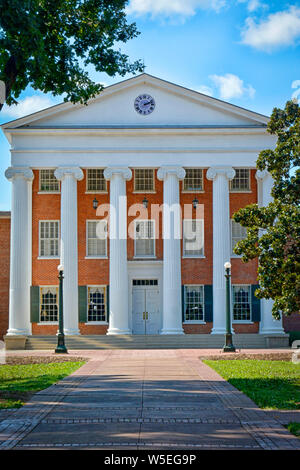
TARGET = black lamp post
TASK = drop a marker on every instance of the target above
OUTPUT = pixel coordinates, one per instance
(61, 347)
(228, 346)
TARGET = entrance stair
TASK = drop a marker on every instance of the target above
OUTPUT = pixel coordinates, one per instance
(205, 341)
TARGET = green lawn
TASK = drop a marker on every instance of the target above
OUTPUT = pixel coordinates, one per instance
(270, 384)
(19, 382)
(294, 428)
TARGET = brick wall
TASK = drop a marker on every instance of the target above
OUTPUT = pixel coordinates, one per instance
(292, 323)
(4, 272)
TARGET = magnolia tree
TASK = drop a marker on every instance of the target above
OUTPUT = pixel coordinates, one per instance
(273, 232)
(50, 44)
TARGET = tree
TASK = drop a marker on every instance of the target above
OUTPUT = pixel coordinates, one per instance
(48, 44)
(273, 232)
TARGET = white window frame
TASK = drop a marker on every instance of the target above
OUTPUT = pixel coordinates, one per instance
(233, 255)
(232, 303)
(103, 322)
(142, 191)
(235, 190)
(183, 190)
(184, 254)
(41, 322)
(199, 322)
(49, 256)
(135, 239)
(42, 191)
(94, 191)
(87, 240)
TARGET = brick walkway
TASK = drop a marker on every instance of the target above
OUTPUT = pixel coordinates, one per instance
(146, 399)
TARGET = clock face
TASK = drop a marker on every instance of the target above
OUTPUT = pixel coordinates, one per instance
(144, 104)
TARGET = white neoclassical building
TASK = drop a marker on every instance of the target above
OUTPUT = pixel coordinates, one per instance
(122, 166)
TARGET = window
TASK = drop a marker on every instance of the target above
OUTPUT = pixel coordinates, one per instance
(95, 180)
(144, 238)
(96, 304)
(237, 233)
(145, 282)
(241, 181)
(96, 238)
(193, 180)
(193, 303)
(241, 303)
(193, 237)
(49, 304)
(48, 182)
(49, 238)
(144, 179)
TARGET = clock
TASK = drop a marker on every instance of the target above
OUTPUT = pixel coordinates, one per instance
(144, 104)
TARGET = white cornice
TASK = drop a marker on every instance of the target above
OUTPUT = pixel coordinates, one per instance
(140, 150)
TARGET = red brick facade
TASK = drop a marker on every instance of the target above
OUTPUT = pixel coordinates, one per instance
(96, 271)
(4, 271)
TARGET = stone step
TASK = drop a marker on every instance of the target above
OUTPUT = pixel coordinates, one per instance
(146, 342)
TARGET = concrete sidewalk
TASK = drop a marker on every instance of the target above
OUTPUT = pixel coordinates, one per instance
(145, 399)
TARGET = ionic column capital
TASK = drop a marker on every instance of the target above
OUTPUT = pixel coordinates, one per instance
(61, 172)
(124, 171)
(164, 171)
(19, 172)
(260, 175)
(215, 171)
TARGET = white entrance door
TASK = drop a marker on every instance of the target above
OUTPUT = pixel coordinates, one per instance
(145, 308)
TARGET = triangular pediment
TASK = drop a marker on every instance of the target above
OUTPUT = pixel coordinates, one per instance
(174, 106)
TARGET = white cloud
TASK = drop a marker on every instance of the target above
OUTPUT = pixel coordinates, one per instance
(279, 29)
(28, 105)
(253, 5)
(231, 86)
(172, 7)
(206, 90)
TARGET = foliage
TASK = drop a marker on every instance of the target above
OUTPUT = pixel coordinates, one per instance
(273, 232)
(49, 44)
(270, 384)
(18, 382)
(294, 428)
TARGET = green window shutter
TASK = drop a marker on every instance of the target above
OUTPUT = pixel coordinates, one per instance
(82, 304)
(34, 304)
(255, 303)
(182, 302)
(107, 304)
(208, 302)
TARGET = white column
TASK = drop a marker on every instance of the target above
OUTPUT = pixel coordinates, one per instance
(268, 325)
(118, 275)
(172, 311)
(69, 247)
(20, 250)
(220, 175)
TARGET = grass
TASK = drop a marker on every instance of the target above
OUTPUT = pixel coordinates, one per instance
(270, 384)
(19, 382)
(294, 428)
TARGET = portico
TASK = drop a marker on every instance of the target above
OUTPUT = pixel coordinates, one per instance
(148, 282)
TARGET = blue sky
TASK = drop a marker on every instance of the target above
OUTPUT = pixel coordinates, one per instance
(243, 51)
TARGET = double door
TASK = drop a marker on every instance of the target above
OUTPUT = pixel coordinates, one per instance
(145, 310)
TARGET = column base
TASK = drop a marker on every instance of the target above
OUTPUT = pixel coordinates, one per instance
(117, 331)
(272, 331)
(172, 331)
(71, 332)
(218, 331)
(18, 332)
